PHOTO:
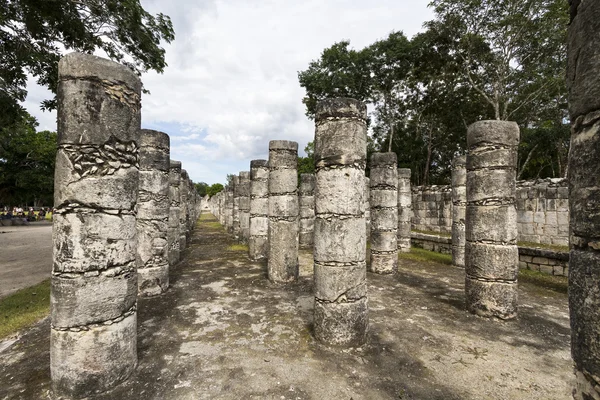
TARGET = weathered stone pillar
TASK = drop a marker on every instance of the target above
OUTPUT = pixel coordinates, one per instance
(459, 203)
(583, 83)
(491, 253)
(244, 191)
(307, 210)
(174, 212)
(258, 246)
(229, 208)
(94, 276)
(153, 214)
(341, 305)
(367, 207)
(236, 206)
(384, 213)
(183, 210)
(404, 210)
(283, 211)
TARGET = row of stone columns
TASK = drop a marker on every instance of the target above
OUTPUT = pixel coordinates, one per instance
(117, 196)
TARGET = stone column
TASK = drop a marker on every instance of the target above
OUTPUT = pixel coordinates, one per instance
(258, 246)
(459, 203)
(384, 213)
(236, 206)
(367, 207)
(153, 214)
(307, 210)
(283, 211)
(229, 208)
(94, 277)
(583, 83)
(491, 253)
(404, 210)
(174, 212)
(183, 210)
(341, 304)
(244, 191)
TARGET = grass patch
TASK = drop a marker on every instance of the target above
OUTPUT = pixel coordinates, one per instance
(556, 283)
(237, 247)
(442, 234)
(555, 247)
(205, 216)
(24, 308)
(418, 254)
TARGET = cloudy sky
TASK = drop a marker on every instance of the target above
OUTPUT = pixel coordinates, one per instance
(231, 84)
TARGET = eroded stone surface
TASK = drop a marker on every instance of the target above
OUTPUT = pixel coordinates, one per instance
(174, 224)
(306, 199)
(244, 204)
(583, 84)
(283, 211)
(258, 245)
(341, 303)
(384, 213)
(152, 255)
(491, 254)
(459, 201)
(94, 278)
(404, 209)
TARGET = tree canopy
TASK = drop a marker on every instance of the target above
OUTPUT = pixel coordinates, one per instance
(27, 164)
(34, 34)
(477, 59)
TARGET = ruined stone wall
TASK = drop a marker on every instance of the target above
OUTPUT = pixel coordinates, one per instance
(432, 208)
(542, 210)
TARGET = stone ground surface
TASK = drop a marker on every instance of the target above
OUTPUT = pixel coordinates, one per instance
(223, 331)
(25, 255)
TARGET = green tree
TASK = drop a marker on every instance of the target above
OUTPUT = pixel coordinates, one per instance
(214, 189)
(306, 165)
(27, 162)
(34, 34)
(340, 72)
(512, 52)
(201, 188)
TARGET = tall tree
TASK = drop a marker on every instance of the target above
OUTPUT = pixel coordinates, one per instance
(34, 33)
(26, 164)
(512, 52)
(340, 72)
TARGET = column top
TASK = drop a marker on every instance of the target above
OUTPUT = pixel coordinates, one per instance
(283, 145)
(341, 107)
(404, 173)
(494, 132)
(259, 164)
(152, 138)
(175, 164)
(83, 66)
(383, 159)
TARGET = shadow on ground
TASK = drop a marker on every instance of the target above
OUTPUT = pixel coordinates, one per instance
(223, 331)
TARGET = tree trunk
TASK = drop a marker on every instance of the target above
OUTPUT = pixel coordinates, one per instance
(526, 162)
(429, 151)
(391, 136)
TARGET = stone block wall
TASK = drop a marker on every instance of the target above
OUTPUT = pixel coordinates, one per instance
(432, 208)
(543, 211)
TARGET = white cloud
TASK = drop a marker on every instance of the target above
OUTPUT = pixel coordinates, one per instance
(231, 85)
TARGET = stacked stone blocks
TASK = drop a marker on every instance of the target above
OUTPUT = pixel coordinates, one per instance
(341, 304)
(384, 213)
(491, 253)
(283, 211)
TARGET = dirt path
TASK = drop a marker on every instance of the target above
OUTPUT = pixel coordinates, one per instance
(223, 331)
(25, 256)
